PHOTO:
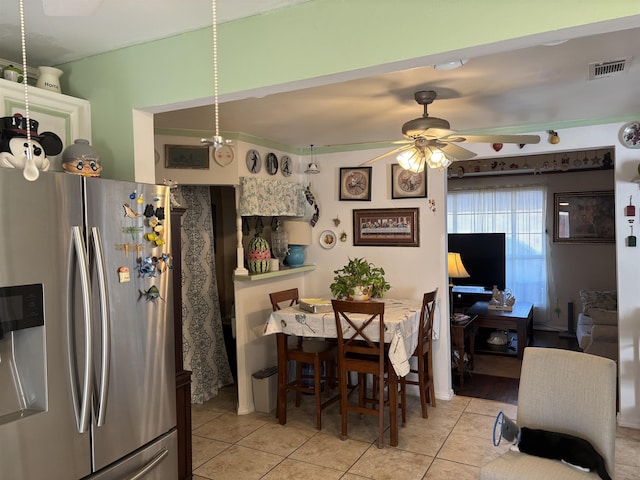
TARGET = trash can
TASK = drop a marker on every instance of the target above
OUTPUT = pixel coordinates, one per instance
(265, 388)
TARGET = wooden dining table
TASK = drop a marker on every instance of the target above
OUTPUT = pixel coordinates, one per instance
(401, 319)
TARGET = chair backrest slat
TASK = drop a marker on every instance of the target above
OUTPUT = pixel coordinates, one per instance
(426, 315)
(350, 325)
(290, 295)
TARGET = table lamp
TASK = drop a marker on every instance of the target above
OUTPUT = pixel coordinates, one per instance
(299, 233)
(456, 270)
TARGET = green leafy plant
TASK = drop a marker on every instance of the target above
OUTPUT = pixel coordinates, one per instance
(358, 273)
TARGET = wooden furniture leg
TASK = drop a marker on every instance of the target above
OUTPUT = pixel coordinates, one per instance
(281, 410)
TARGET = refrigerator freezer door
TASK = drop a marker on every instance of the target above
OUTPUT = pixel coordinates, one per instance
(140, 390)
(36, 220)
(158, 461)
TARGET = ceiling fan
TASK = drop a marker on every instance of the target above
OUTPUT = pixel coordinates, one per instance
(430, 140)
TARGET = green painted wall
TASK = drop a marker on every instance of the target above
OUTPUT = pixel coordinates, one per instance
(314, 39)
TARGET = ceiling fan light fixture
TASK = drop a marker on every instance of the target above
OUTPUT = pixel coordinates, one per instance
(412, 160)
(450, 65)
(438, 159)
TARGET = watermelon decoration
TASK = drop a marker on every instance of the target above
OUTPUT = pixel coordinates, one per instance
(258, 255)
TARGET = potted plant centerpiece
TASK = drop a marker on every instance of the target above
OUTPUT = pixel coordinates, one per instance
(359, 280)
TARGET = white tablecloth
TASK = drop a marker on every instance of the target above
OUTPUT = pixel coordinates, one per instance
(401, 319)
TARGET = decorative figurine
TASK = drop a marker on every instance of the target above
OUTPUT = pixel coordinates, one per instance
(82, 159)
(13, 135)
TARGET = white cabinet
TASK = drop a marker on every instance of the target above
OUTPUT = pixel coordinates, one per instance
(68, 117)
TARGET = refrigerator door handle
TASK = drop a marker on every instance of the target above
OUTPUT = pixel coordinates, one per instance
(153, 463)
(83, 413)
(105, 322)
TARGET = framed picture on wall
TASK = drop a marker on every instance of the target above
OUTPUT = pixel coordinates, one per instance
(584, 217)
(355, 183)
(386, 227)
(406, 184)
(186, 156)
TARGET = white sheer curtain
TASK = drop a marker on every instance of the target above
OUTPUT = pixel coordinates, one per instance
(520, 213)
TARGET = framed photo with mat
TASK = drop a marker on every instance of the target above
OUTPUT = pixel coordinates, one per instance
(186, 156)
(386, 227)
(355, 183)
(407, 184)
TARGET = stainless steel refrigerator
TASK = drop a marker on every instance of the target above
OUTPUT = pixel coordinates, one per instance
(87, 377)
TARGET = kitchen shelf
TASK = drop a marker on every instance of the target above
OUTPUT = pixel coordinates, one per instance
(277, 273)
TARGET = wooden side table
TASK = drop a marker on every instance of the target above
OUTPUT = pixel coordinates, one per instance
(519, 320)
(460, 331)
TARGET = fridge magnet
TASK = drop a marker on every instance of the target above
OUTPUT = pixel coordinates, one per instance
(149, 211)
(165, 262)
(151, 294)
(123, 275)
(147, 268)
(13, 132)
(130, 213)
(133, 231)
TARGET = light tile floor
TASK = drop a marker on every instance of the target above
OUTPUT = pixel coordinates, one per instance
(452, 443)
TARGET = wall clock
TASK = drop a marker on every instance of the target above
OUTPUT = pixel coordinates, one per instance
(223, 155)
(271, 163)
(286, 166)
(254, 163)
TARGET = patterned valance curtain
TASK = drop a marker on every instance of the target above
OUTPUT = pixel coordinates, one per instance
(267, 197)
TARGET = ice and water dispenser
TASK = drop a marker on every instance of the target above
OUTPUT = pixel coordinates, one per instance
(22, 352)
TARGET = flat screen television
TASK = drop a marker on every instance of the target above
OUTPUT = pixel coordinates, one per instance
(483, 255)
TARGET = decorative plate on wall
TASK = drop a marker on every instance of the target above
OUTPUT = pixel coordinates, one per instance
(223, 155)
(271, 163)
(286, 166)
(630, 135)
(328, 239)
(253, 161)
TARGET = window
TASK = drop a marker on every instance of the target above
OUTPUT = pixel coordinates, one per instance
(520, 214)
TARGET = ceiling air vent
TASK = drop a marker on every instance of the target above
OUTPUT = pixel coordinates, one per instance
(608, 69)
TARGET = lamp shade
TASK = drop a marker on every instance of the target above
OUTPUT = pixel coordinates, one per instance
(455, 266)
(299, 232)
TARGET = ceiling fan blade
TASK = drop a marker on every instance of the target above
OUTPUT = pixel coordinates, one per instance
(455, 151)
(372, 143)
(519, 139)
(384, 155)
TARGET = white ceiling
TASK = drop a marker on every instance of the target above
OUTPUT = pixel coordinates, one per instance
(52, 40)
(520, 84)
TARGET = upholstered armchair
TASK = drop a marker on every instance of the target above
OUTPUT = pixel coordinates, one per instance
(597, 330)
(566, 392)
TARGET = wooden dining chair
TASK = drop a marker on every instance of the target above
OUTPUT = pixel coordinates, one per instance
(359, 352)
(319, 353)
(422, 374)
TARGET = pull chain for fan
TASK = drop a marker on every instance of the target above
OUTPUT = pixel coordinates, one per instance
(30, 171)
(217, 139)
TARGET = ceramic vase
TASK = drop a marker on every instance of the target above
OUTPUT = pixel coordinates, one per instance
(49, 79)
